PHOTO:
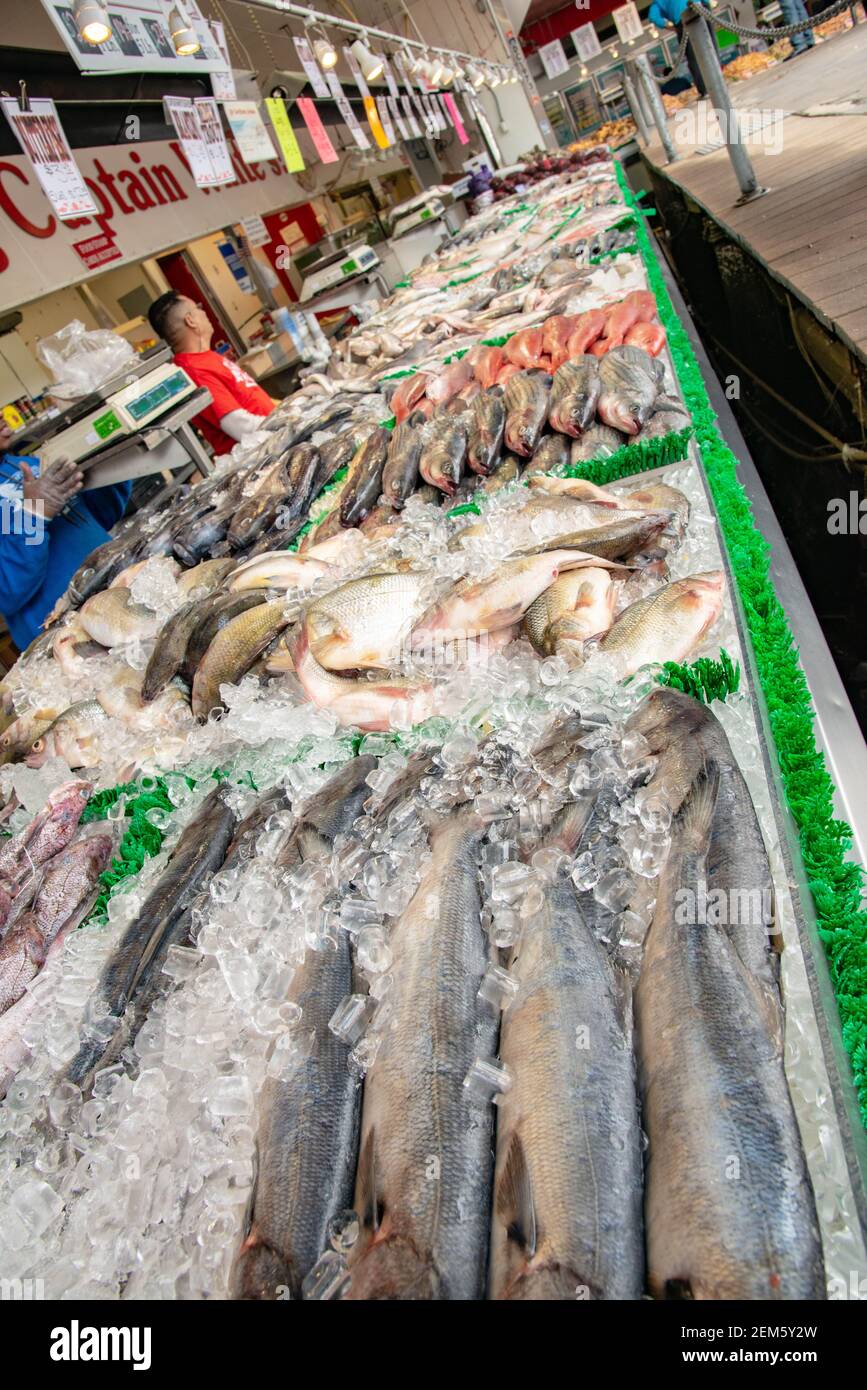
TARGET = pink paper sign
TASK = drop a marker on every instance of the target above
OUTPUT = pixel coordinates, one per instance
(451, 107)
(318, 133)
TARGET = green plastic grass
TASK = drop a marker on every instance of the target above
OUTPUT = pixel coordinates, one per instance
(704, 679)
(836, 881)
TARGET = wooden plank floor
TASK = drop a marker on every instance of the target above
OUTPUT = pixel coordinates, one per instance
(810, 229)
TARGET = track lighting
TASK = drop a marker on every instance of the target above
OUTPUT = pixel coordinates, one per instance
(326, 53)
(371, 66)
(92, 21)
(183, 35)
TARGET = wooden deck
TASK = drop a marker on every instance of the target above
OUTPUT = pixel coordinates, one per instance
(810, 229)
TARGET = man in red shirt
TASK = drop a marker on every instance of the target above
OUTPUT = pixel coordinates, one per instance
(237, 401)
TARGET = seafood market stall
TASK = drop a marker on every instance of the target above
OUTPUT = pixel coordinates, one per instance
(422, 816)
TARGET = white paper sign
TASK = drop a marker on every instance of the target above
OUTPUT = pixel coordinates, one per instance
(41, 137)
(357, 74)
(586, 41)
(385, 119)
(310, 66)
(214, 141)
(388, 75)
(184, 117)
(249, 131)
(255, 231)
(628, 22)
(222, 83)
(347, 115)
(401, 124)
(554, 59)
(412, 120)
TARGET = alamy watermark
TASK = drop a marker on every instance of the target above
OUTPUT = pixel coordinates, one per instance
(725, 907)
(16, 520)
(847, 516)
(703, 125)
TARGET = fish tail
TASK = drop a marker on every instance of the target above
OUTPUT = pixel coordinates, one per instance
(261, 1273)
(695, 817)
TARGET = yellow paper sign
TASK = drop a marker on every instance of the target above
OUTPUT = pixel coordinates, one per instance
(375, 123)
(279, 118)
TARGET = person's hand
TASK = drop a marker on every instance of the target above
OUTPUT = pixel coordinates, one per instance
(57, 482)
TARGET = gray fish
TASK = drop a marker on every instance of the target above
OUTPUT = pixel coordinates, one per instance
(613, 540)
(730, 1211)
(630, 380)
(486, 429)
(198, 853)
(167, 658)
(424, 1176)
(444, 450)
(574, 395)
(400, 474)
(364, 483)
(307, 1140)
(598, 442)
(526, 400)
(550, 455)
(567, 1211)
(213, 615)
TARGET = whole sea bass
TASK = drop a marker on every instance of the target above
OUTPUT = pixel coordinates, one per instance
(567, 1218)
(730, 1211)
(307, 1140)
(424, 1176)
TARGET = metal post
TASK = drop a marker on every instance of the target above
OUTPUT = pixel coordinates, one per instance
(635, 109)
(654, 101)
(646, 112)
(704, 49)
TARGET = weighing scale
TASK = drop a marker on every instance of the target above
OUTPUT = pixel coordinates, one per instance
(426, 206)
(135, 423)
(322, 281)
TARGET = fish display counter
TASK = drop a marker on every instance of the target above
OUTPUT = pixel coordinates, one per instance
(419, 870)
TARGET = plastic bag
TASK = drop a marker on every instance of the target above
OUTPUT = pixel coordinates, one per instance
(80, 359)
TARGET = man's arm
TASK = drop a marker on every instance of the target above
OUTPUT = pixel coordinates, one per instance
(23, 557)
(238, 423)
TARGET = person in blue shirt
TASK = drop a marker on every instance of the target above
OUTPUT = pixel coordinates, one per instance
(794, 11)
(664, 12)
(48, 525)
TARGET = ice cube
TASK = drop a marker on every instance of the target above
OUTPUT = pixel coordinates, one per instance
(487, 1079)
(373, 951)
(327, 1279)
(614, 889)
(498, 987)
(351, 1017)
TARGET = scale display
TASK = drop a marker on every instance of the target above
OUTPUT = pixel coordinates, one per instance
(155, 399)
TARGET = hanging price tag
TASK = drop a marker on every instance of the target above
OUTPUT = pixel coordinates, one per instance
(403, 128)
(286, 138)
(450, 105)
(389, 76)
(411, 119)
(385, 119)
(356, 72)
(318, 134)
(375, 123)
(347, 115)
(310, 66)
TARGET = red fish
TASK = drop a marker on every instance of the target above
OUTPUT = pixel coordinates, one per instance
(487, 362)
(408, 393)
(525, 348)
(587, 329)
(556, 332)
(650, 336)
(508, 369)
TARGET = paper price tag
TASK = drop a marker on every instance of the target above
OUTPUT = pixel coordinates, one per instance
(451, 107)
(403, 128)
(310, 66)
(375, 123)
(286, 138)
(356, 72)
(411, 119)
(389, 76)
(347, 115)
(318, 134)
(385, 119)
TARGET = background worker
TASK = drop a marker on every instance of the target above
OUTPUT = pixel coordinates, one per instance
(238, 403)
(664, 12)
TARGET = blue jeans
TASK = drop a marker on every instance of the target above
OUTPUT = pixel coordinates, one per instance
(793, 12)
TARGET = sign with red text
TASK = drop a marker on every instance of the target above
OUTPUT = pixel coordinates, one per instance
(41, 137)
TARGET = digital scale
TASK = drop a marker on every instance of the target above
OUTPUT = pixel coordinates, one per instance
(314, 278)
(135, 423)
(424, 207)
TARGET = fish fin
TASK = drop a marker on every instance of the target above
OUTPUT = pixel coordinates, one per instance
(696, 812)
(515, 1199)
(367, 1203)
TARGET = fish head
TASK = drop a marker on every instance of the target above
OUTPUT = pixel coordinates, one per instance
(41, 750)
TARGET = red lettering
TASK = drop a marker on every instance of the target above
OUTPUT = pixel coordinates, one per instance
(12, 211)
(102, 219)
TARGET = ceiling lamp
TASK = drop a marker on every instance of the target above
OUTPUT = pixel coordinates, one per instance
(447, 76)
(183, 35)
(412, 62)
(326, 53)
(474, 75)
(371, 66)
(514, 76)
(92, 21)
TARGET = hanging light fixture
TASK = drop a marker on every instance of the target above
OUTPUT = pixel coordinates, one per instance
(183, 35)
(447, 75)
(371, 66)
(411, 61)
(326, 53)
(474, 75)
(92, 21)
(514, 77)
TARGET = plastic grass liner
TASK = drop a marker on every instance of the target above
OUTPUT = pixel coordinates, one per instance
(639, 457)
(835, 881)
(142, 838)
(704, 679)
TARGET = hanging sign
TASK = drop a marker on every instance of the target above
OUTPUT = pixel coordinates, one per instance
(249, 130)
(373, 120)
(182, 115)
(388, 75)
(286, 138)
(451, 107)
(586, 41)
(140, 39)
(41, 137)
(554, 59)
(222, 81)
(310, 66)
(207, 113)
(411, 119)
(347, 115)
(255, 231)
(357, 74)
(318, 134)
(402, 127)
(628, 22)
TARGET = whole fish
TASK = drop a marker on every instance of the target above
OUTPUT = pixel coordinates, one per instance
(485, 431)
(444, 449)
(667, 625)
(112, 617)
(487, 362)
(200, 850)
(524, 348)
(369, 704)
(473, 607)
(284, 494)
(45, 835)
(567, 1209)
(204, 578)
(400, 474)
(551, 453)
(214, 613)
(507, 470)
(278, 569)
(577, 607)
(658, 497)
(587, 329)
(62, 901)
(335, 454)
(194, 539)
(526, 400)
(624, 535)
(629, 380)
(232, 652)
(424, 1175)
(364, 482)
(664, 421)
(19, 736)
(70, 736)
(449, 381)
(409, 391)
(363, 622)
(650, 336)
(597, 442)
(167, 657)
(730, 1211)
(307, 1139)
(579, 488)
(574, 394)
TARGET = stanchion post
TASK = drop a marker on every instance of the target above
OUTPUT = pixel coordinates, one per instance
(654, 101)
(704, 48)
(634, 103)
